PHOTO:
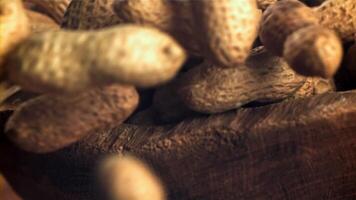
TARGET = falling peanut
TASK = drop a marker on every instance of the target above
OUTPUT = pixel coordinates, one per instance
(227, 29)
(314, 51)
(51, 122)
(14, 26)
(127, 178)
(68, 61)
(280, 20)
(289, 28)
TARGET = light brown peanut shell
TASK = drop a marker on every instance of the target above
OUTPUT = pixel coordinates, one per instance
(226, 29)
(314, 51)
(40, 22)
(282, 19)
(68, 61)
(264, 78)
(90, 14)
(339, 15)
(127, 178)
(54, 8)
(14, 26)
(51, 122)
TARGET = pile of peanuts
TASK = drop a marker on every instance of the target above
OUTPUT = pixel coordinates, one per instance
(90, 64)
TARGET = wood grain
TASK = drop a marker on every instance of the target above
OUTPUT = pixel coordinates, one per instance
(300, 149)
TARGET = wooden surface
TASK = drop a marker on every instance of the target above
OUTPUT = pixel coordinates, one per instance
(300, 149)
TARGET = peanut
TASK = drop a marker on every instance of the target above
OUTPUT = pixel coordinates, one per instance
(14, 26)
(227, 29)
(264, 78)
(50, 122)
(128, 178)
(215, 22)
(93, 14)
(67, 61)
(280, 20)
(314, 51)
(289, 28)
(40, 22)
(54, 8)
(340, 16)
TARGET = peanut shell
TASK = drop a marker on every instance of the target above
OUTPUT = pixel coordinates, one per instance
(69, 61)
(14, 26)
(264, 78)
(50, 122)
(339, 15)
(314, 51)
(226, 29)
(282, 19)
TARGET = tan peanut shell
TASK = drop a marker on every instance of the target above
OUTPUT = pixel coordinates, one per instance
(339, 15)
(54, 8)
(314, 51)
(127, 178)
(264, 78)
(173, 17)
(40, 22)
(226, 29)
(90, 14)
(68, 61)
(14, 26)
(51, 122)
(282, 19)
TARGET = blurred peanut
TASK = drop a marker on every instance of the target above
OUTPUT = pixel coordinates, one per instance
(127, 178)
(14, 26)
(68, 61)
(289, 28)
(226, 29)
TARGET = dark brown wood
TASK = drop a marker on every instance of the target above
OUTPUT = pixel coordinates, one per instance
(300, 149)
